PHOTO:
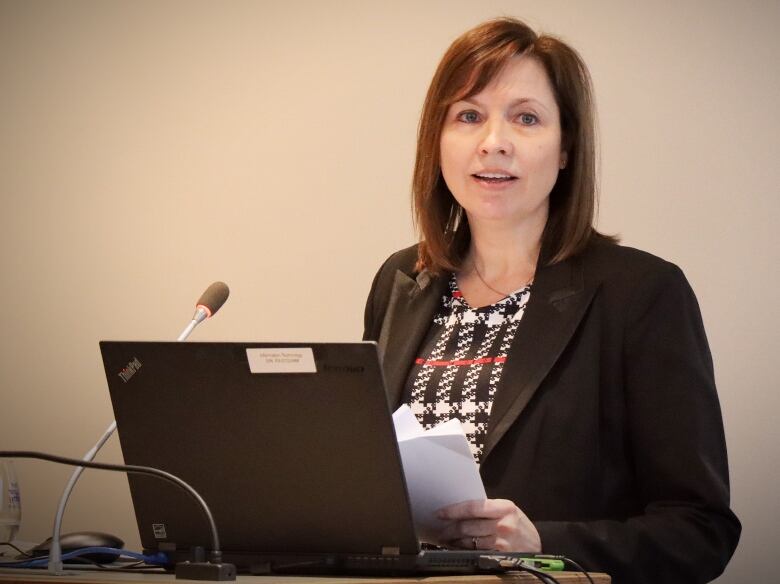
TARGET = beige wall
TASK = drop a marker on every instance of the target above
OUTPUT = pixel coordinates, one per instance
(148, 148)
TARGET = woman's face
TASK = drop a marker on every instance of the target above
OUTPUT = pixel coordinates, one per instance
(501, 148)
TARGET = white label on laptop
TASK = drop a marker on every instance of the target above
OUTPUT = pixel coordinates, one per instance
(283, 360)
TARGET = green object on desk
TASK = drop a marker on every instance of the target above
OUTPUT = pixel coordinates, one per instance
(548, 564)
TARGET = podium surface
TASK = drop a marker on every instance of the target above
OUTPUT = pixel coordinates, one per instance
(17, 576)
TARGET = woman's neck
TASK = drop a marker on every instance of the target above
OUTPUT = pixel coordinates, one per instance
(500, 252)
(499, 262)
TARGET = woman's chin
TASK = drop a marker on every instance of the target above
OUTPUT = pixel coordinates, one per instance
(500, 216)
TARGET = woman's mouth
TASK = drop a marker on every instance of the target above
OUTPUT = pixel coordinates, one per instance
(493, 177)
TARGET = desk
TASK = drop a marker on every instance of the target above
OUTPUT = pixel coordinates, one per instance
(91, 577)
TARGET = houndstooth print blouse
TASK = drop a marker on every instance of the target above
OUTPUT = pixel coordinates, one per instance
(460, 363)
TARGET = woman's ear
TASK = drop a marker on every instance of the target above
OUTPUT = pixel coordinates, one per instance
(564, 159)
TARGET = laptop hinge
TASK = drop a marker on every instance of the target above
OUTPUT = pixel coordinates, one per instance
(391, 550)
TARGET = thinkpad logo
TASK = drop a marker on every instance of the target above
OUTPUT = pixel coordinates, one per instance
(130, 369)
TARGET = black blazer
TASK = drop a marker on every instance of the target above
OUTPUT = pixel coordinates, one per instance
(606, 428)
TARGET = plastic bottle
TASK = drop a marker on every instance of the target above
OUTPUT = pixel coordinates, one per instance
(10, 502)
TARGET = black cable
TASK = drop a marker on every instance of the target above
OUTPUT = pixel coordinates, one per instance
(580, 568)
(507, 564)
(139, 566)
(545, 577)
(568, 561)
(14, 563)
(133, 569)
(216, 554)
(21, 551)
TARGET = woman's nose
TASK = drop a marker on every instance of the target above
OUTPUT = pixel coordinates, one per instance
(496, 139)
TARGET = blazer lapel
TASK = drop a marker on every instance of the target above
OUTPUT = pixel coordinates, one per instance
(557, 304)
(410, 310)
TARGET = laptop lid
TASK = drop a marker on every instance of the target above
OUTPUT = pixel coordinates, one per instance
(304, 461)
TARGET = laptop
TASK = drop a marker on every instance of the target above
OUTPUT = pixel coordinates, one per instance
(291, 445)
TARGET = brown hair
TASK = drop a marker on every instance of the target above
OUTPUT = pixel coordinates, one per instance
(467, 67)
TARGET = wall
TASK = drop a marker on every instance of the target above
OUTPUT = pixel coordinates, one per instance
(149, 148)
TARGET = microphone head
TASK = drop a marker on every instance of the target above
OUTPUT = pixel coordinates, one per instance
(214, 297)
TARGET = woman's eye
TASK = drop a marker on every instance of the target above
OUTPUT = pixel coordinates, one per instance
(470, 117)
(528, 119)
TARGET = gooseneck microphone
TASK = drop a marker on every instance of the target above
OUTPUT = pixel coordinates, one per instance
(208, 304)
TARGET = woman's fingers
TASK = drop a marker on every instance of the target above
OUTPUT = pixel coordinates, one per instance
(482, 509)
(468, 528)
(489, 524)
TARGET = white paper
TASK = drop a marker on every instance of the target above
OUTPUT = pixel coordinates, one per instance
(439, 468)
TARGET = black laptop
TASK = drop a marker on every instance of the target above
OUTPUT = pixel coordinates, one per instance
(292, 446)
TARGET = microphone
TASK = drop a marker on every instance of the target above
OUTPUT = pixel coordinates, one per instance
(213, 298)
(208, 304)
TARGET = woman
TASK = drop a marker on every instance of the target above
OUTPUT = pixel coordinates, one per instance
(579, 368)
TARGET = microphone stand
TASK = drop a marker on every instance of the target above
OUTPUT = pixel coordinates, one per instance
(55, 551)
(54, 565)
(201, 313)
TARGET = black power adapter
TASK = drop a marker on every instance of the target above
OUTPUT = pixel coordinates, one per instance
(201, 569)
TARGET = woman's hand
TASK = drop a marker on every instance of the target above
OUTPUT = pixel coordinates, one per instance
(492, 524)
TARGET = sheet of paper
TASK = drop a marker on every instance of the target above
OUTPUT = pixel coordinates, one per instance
(439, 468)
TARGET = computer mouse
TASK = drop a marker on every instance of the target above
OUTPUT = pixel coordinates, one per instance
(81, 539)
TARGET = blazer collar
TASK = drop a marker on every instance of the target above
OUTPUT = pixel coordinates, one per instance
(413, 302)
(559, 300)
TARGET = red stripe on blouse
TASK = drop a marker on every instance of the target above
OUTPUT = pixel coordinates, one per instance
(482, 361)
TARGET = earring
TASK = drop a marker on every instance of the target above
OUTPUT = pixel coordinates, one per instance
(563, 161)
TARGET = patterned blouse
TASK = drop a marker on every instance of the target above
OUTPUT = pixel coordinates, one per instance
(461, 361)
